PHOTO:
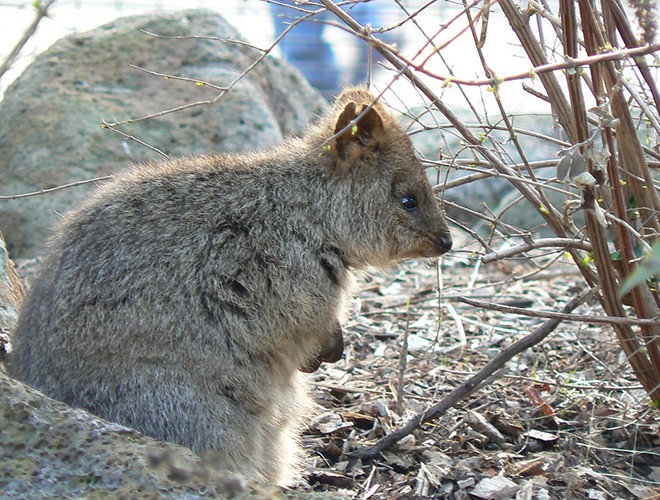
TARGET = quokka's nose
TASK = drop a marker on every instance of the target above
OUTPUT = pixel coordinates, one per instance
(445, 242)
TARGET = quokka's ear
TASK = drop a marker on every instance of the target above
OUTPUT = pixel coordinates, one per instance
(367, 132)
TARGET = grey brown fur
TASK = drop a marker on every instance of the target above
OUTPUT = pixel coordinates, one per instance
(185, 298)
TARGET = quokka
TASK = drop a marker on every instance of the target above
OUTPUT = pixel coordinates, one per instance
(185, 298)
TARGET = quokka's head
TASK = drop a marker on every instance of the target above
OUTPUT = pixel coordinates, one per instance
(392, 209)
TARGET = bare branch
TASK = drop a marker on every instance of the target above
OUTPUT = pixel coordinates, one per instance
(108, 126)
(204, 37)
(199, 83)
(42, 11)
(561, 243)
(56, 188)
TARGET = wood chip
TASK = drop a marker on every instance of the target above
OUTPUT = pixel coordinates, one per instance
(495, 488)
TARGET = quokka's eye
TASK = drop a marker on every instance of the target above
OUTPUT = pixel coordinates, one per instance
(409, 203)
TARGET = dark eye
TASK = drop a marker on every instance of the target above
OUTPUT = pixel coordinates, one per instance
(409, 203)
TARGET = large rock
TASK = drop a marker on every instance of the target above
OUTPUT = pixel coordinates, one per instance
(50, 118)
(48, 450)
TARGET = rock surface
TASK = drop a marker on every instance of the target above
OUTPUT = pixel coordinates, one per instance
(51, 129)
(48, 450)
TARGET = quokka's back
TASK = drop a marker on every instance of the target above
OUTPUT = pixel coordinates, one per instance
(184, 298)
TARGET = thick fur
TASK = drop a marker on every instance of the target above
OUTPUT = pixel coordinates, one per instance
(184, 298)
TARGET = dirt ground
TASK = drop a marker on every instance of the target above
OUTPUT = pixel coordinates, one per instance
(564, 419)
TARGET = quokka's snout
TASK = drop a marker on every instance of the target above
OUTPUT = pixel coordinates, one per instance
(441, 238)
(185, 299)
(444, 243)
(435, 246)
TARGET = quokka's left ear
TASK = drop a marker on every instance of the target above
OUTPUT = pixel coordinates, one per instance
(366, 132)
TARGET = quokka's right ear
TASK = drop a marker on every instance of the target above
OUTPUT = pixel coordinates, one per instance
(356, 129)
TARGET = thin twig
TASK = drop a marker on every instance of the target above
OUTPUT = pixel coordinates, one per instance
(108, 126)
(534, 244)
(403, 363)
(613, 320)
(482, 174)
(461, 342)
(204, 37)
(196, 81)
(56, 188)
